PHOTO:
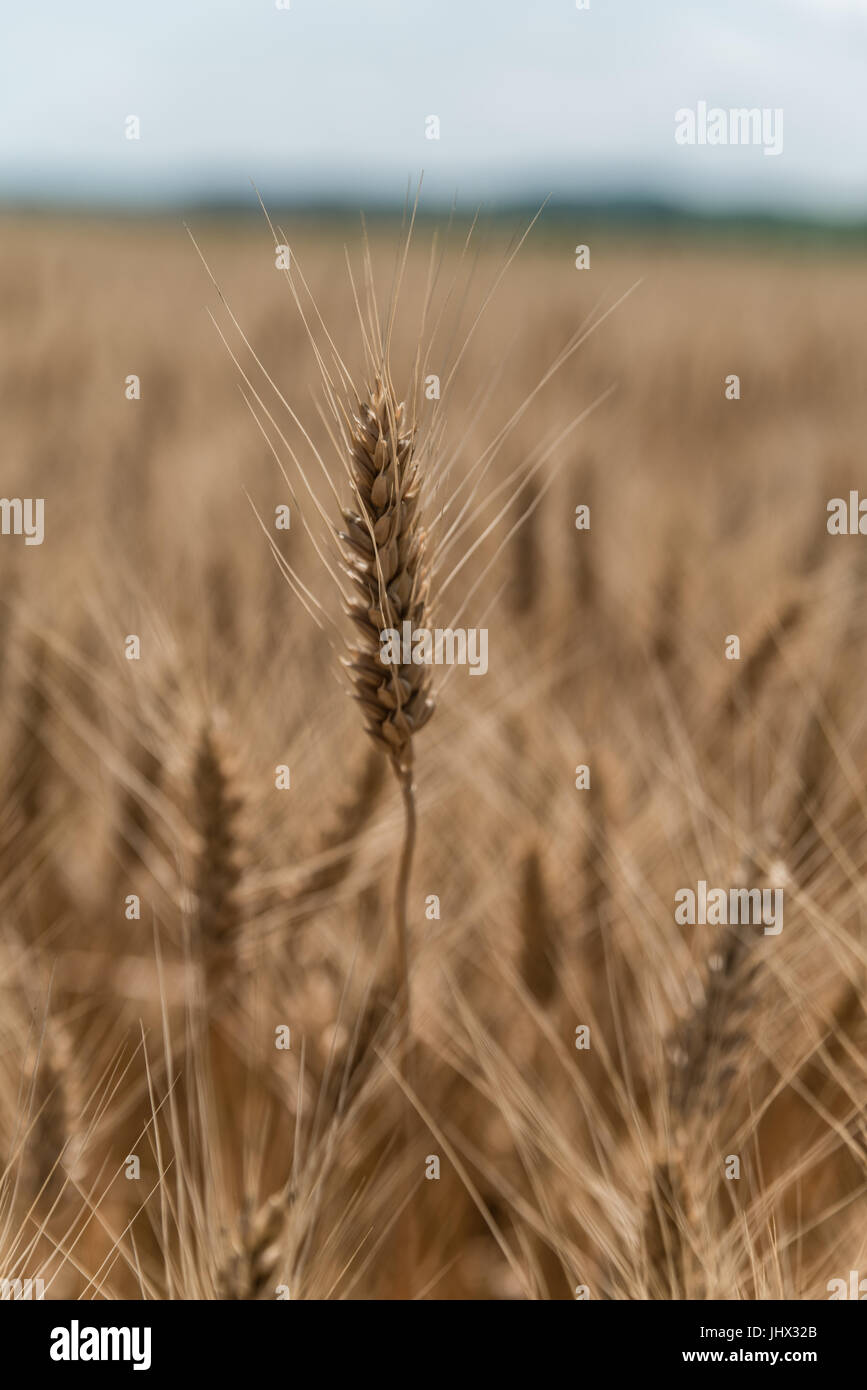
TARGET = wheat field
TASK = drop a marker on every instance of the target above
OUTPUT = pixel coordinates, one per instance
(212, 1086)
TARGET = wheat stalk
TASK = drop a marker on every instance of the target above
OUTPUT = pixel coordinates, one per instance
(384, 554)
(383, 549)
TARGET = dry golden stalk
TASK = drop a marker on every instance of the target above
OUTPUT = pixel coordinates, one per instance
(217, 870)
(384, 554)
(385, 557)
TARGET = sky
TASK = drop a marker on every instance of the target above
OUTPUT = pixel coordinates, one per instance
(330, 99)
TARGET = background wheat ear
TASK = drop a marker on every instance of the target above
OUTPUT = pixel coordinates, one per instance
(55, 1104)
(250, 1268)
(218, 871)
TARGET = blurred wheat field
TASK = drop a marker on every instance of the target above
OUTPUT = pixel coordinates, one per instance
(267, 1171)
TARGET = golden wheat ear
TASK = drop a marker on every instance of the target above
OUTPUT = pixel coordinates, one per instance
(383, 549)
(384, 553)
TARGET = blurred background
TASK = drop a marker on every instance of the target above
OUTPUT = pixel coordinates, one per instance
(156, 777)
(327, 102)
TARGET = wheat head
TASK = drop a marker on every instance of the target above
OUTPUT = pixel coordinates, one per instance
(383, 549)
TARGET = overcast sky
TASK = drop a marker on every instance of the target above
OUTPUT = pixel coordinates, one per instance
(331, 96)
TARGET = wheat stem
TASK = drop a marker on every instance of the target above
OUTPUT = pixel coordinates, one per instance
(401, 897)
(407, 1244)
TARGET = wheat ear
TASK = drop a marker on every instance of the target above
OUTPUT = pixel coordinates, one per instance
(218, 871)
(384, 553)
(704, 1054)
(252, 1264)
